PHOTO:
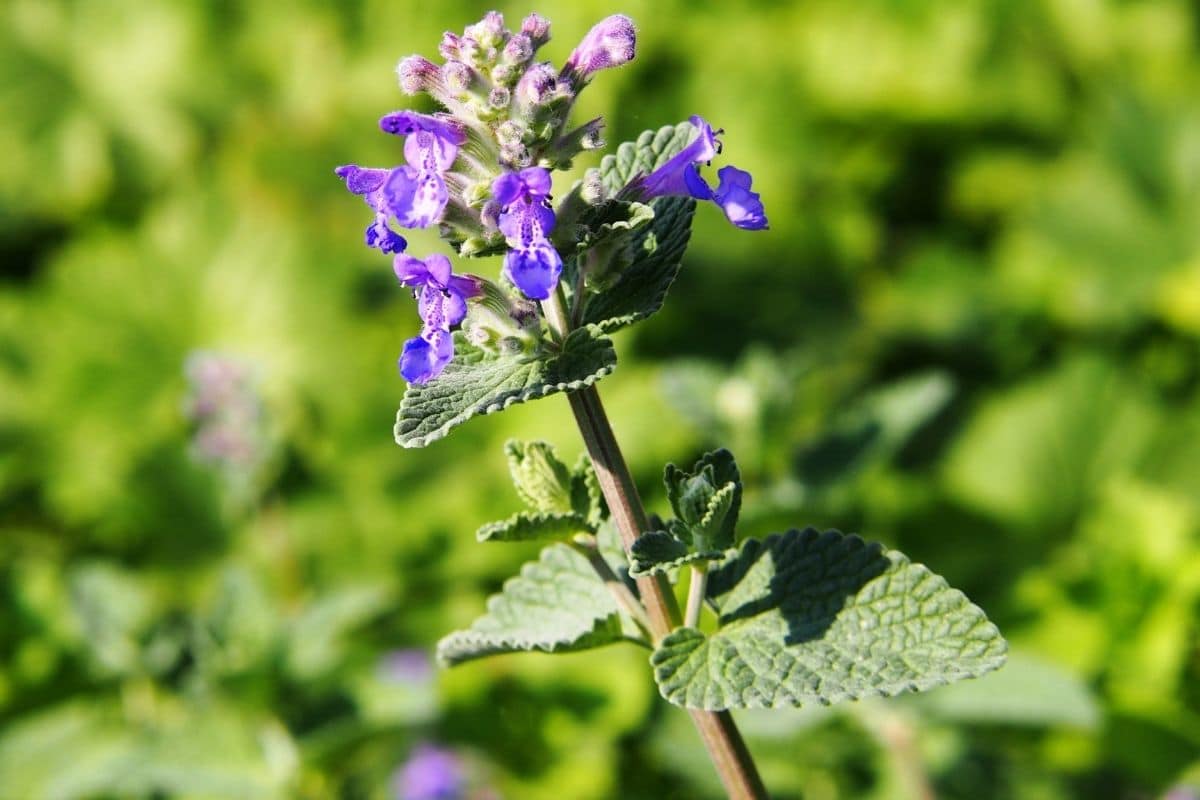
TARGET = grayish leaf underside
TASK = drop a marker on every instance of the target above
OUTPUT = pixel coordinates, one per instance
(556, 605)
(810, 617)
(528, 526)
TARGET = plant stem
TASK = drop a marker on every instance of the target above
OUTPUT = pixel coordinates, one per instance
(620, 592)
(695, 601)
(720, 735)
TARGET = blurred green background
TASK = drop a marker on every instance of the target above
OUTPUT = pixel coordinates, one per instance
(973, 333)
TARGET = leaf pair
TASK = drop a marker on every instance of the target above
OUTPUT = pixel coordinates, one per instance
(562, 501)
(805, 617)
(706, 502)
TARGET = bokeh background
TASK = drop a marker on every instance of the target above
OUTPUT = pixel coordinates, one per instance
(972, 333)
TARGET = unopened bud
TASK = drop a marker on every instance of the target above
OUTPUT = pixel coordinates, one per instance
(610, 43)
(450, 47)
(591, 190)
(499, 97)
(536, 84)
(490, 215)
(489, 31)
(518, 50)
(510, 132)
(515, 155)
(537, 28)
(418, 74)
(459, 77)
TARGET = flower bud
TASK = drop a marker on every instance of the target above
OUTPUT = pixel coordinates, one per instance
(489, 31)
(450, 46)
(537, 28)
(536, 84)
(509, 132)
(418, 74)
(459, 78)
(518, 50)
(610, 43)
(499, 97)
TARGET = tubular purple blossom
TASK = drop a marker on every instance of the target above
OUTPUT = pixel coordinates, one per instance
(681, 176)
(368, 182)
(424, 357)
(442, 303)
(532, 263)
(416, 194)
(431, 773)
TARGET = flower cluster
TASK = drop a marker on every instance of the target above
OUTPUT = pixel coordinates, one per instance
(481, 172)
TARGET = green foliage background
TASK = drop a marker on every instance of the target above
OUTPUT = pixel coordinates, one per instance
(973, 332)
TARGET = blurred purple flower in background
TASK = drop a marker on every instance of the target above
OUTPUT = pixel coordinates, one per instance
(407, 666)
(223, 403)
(431, 773)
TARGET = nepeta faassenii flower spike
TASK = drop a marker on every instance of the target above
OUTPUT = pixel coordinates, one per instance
(605, 257)
(481, 170)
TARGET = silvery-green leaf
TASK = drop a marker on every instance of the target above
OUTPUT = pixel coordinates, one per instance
(480, 382)
(659, 551)
(808, 617)
(530, 526)
(541, 479)
(557, 604)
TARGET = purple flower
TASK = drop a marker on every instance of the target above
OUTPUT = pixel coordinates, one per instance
(424, 357)
(431, 773)
(224, 404)
(681, 176)
(532, 263)
(441, 295)
(416, 194)
(409, 666)
(369, 182)
(610, 43)
(442, 303)
(742, 207)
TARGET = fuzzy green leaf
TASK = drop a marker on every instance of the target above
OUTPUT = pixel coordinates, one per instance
(557, 604)
(810, 617)
(541, 479)
(660, 551)
(543, 526)
(650, 259)
(480, 382)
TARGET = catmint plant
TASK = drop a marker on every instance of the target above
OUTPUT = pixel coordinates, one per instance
(797, 618)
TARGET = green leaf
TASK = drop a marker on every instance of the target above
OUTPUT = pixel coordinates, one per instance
(478, 382)
(526, 527)
(652, 256)
(660, 551)
(541, 479)
(707, 499)
(598, 225)
(808, 617)
(557, 604)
